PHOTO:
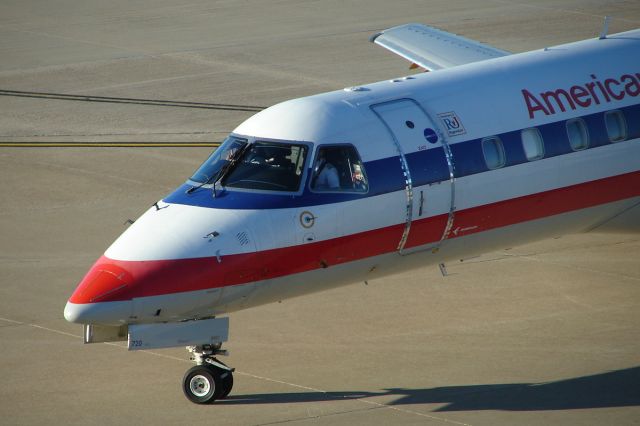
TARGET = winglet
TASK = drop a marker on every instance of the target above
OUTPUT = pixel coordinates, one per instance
(434, 49)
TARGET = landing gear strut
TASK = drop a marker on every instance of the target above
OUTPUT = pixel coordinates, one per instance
(210, 379)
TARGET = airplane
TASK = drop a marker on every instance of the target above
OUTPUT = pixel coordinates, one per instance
(483, 151)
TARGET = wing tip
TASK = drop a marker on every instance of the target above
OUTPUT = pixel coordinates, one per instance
(373, 38)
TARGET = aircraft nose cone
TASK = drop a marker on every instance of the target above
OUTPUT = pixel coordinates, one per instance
(105, 282)
(102, 297)
(106, 313)
(75, 313)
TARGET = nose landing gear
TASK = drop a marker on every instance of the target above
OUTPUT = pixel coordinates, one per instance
(210, 379)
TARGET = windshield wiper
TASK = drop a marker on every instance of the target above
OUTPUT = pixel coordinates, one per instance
(223, 170)
(193, 188)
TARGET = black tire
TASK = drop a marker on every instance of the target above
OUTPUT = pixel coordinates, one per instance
(227, 384)
(227, 380)
(202, 384)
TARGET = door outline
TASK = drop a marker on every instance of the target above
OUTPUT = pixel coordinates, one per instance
(407, 173)
(405, 170)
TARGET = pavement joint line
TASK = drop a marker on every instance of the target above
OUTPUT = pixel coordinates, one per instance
(377, 404)
(493, 324)
(10, 138)
(578, 268)
(402, 410)
(64, 333)
(109, 144)
(89, 172)
(557, 9)
(78, 135)
(315, 417)
(75, 40)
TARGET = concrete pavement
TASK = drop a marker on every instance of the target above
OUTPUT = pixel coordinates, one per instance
(534, 335)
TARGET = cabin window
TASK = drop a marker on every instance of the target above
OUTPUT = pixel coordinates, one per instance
(616, 125)
(338, 168)
(493, 152)
(578, 134)
(268, 166)
(532, 143)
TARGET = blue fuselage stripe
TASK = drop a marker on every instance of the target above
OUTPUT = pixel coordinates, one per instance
(427, 167)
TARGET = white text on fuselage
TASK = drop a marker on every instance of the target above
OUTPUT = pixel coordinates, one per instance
(582, 96)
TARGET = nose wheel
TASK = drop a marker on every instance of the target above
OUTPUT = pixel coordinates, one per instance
(210, 380)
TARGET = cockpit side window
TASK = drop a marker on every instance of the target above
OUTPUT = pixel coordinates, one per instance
(338, 168)
(270, 166)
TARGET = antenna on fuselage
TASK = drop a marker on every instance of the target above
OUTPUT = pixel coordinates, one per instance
(605, 27)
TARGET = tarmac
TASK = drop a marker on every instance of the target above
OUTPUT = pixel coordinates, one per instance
(540, 334)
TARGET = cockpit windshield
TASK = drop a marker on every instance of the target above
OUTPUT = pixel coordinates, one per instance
(219, 160)
(261, 165)
(270, 166)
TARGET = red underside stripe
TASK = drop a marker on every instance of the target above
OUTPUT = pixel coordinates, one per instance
(111, 280)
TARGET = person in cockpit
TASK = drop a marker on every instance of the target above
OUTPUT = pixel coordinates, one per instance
(327, 176)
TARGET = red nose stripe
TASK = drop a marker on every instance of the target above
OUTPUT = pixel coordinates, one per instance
(158, 277)
(103, 281)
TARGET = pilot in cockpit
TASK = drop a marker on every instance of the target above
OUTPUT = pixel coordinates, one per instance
(327, 176)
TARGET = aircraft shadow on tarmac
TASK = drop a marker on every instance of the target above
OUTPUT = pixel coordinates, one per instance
(619, 388)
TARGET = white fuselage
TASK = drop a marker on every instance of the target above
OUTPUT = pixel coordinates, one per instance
(449, 176)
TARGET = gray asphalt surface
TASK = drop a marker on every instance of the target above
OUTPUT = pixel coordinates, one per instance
(541, 334)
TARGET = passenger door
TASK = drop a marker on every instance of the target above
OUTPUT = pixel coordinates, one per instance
(429, 208)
